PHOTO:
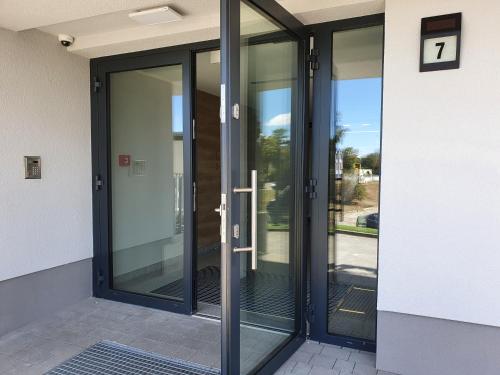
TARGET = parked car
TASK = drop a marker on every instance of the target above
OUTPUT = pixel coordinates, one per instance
(368, 221)
(372, 221)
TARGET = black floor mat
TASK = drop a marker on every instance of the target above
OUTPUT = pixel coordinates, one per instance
(261, 292)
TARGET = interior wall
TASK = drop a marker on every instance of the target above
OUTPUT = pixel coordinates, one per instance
(143, 205)
(45, 111)
(439, 253)
(207, 168)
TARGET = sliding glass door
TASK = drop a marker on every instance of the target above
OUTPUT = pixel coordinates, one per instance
(262, 122)
(143, 185)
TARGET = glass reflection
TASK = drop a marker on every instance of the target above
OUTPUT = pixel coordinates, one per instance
(147, 181)
(268, 78)
(354, 181)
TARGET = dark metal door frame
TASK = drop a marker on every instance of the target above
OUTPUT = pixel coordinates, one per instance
(101, 170)
(323, 34)
(230, 177)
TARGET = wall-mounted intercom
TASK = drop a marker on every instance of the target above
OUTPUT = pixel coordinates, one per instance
(32, 167)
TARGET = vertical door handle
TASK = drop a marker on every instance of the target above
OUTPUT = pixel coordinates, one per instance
(253, 242)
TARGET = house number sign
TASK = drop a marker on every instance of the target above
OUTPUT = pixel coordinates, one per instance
(440, 42)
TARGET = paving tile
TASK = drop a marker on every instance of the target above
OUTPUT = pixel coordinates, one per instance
(343, 365)
(14, 343)
(352, 350)
(301, 369)
(380, 372)
(336, 352)
(311, 347)
(321, 360)
(5, 363)
(287, 366)
(323, 371)
(206, 359)
(364, 358)
(362, 369)
(302, 357)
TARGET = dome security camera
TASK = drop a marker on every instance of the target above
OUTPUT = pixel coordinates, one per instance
(66, 40)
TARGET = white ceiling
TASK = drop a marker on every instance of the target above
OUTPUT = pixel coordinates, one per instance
(102, 27)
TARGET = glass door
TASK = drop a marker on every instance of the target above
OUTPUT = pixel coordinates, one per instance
(345, 219)
(262, 120)
(143, 180)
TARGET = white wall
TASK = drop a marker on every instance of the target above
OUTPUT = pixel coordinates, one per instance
(44, 110)
(440, 197)
(141, 126)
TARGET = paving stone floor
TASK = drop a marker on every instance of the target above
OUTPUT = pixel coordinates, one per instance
(314, 358)
(40, 346)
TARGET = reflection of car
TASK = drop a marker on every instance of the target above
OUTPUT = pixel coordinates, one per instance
(372, 221)
(368, 221)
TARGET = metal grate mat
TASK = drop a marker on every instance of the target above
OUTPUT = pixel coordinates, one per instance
(110, 358)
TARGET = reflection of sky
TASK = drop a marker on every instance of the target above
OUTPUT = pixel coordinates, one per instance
(359, 102)
(177, 113)
(274, 107)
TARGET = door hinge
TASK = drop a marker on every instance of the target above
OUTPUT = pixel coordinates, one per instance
(194, 196)
(98, 182)
(100, 278)
(194, 129)
(312, 59)
(311, 188)
(96, 84)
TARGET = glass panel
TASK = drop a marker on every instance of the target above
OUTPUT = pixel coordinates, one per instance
(208, 183)
(147, 184)
(268, 80)
(354, 181)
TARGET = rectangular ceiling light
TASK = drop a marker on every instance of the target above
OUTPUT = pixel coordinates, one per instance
(155, 16)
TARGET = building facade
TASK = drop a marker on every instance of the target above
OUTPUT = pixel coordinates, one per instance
(369, 221)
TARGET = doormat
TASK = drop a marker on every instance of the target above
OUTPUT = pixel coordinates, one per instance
(108, 357)
(261, 292)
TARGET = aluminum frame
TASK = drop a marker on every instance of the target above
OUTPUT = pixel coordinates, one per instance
(230, 138)
(323, 34)
(101, 166)
(185, 54)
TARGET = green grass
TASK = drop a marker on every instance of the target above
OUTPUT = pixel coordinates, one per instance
(277, 227)
(345, 228)
(351, 228)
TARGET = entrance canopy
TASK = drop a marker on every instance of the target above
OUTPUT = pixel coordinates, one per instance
(104, 28)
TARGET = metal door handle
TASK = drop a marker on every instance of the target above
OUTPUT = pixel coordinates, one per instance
(253, 243)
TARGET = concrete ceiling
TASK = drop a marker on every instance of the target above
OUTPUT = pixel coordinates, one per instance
(102, 27)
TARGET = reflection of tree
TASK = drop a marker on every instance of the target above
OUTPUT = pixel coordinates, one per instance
(274, 167)
(350, 156)
(275, 158)
(371, 161)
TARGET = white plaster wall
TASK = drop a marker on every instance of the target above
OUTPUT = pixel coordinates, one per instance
(440, 200)
(44, 110)
(141, 126)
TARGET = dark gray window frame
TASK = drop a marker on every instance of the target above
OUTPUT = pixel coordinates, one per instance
(230, 76)
(101, 166)
(323, 34)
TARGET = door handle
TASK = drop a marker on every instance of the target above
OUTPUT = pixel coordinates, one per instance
(253, 242)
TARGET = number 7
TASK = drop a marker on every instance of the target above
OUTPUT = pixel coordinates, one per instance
(441, 47)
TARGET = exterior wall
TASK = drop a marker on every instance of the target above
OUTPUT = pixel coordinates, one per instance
(31, 297)
(417, 345)
(439, 253)
(45, 110)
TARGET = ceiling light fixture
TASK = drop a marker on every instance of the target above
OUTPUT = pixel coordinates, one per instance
(155, 16)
